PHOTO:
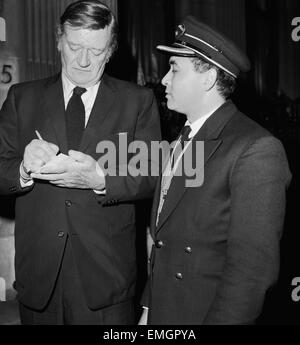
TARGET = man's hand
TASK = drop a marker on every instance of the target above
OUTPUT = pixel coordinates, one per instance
(37, 153)
(77, 170)
(144, 318)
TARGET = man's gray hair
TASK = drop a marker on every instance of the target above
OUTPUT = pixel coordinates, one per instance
(92, 15)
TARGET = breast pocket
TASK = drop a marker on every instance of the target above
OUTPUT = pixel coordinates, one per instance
(113, 151)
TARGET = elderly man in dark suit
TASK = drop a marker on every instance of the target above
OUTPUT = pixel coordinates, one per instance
(216, 242)
(75, 225)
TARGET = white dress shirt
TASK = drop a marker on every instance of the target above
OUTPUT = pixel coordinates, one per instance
(88, 98)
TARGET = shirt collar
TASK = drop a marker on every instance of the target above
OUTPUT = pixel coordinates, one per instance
(68, 87)
(196, 125)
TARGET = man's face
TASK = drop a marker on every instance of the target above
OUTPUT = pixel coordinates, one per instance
(184, 85)
(84, 54)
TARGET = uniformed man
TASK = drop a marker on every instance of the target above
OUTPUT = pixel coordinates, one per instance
(216, 246)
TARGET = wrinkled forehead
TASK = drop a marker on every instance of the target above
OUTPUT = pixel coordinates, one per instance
(96, 39)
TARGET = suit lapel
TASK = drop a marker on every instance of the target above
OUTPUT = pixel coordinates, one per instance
(105, 99)
(209, 133)
(53, 127)
(54, 108)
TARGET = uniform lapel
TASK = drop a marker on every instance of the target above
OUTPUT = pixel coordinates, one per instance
(210, 134)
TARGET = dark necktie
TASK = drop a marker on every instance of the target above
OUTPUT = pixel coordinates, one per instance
(186, 130)
(184, 136)
(75, 118)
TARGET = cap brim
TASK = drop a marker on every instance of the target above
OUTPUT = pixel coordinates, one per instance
(179, 50)
(190, 52)
(176, 50)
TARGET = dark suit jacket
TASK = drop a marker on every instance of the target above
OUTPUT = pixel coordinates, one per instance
(219, 249)
(101, 229)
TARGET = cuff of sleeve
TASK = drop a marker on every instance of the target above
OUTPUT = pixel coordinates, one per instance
(26, 184)
(100, 192)
(102, 175)
(25, 179)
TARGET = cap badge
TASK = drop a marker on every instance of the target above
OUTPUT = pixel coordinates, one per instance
(180, 31)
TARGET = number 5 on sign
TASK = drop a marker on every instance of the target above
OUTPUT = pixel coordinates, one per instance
(6, 74)
(9, 74)
(8, 70)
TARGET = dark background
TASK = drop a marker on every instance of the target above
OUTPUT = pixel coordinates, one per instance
(269, 94)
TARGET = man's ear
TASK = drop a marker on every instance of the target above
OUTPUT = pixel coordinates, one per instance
(108, 55)
(59, 44)
(210, 79)
(58, 36)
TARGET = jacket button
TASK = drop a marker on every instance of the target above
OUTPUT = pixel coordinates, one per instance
(188, 249)
(60, 234)
(159, 243)
(68, 203)
(178, 275)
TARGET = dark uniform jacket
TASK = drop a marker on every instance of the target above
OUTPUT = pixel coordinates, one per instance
(216, 249)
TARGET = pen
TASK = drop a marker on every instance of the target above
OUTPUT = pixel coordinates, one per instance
(40, 138)
(38, 135)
